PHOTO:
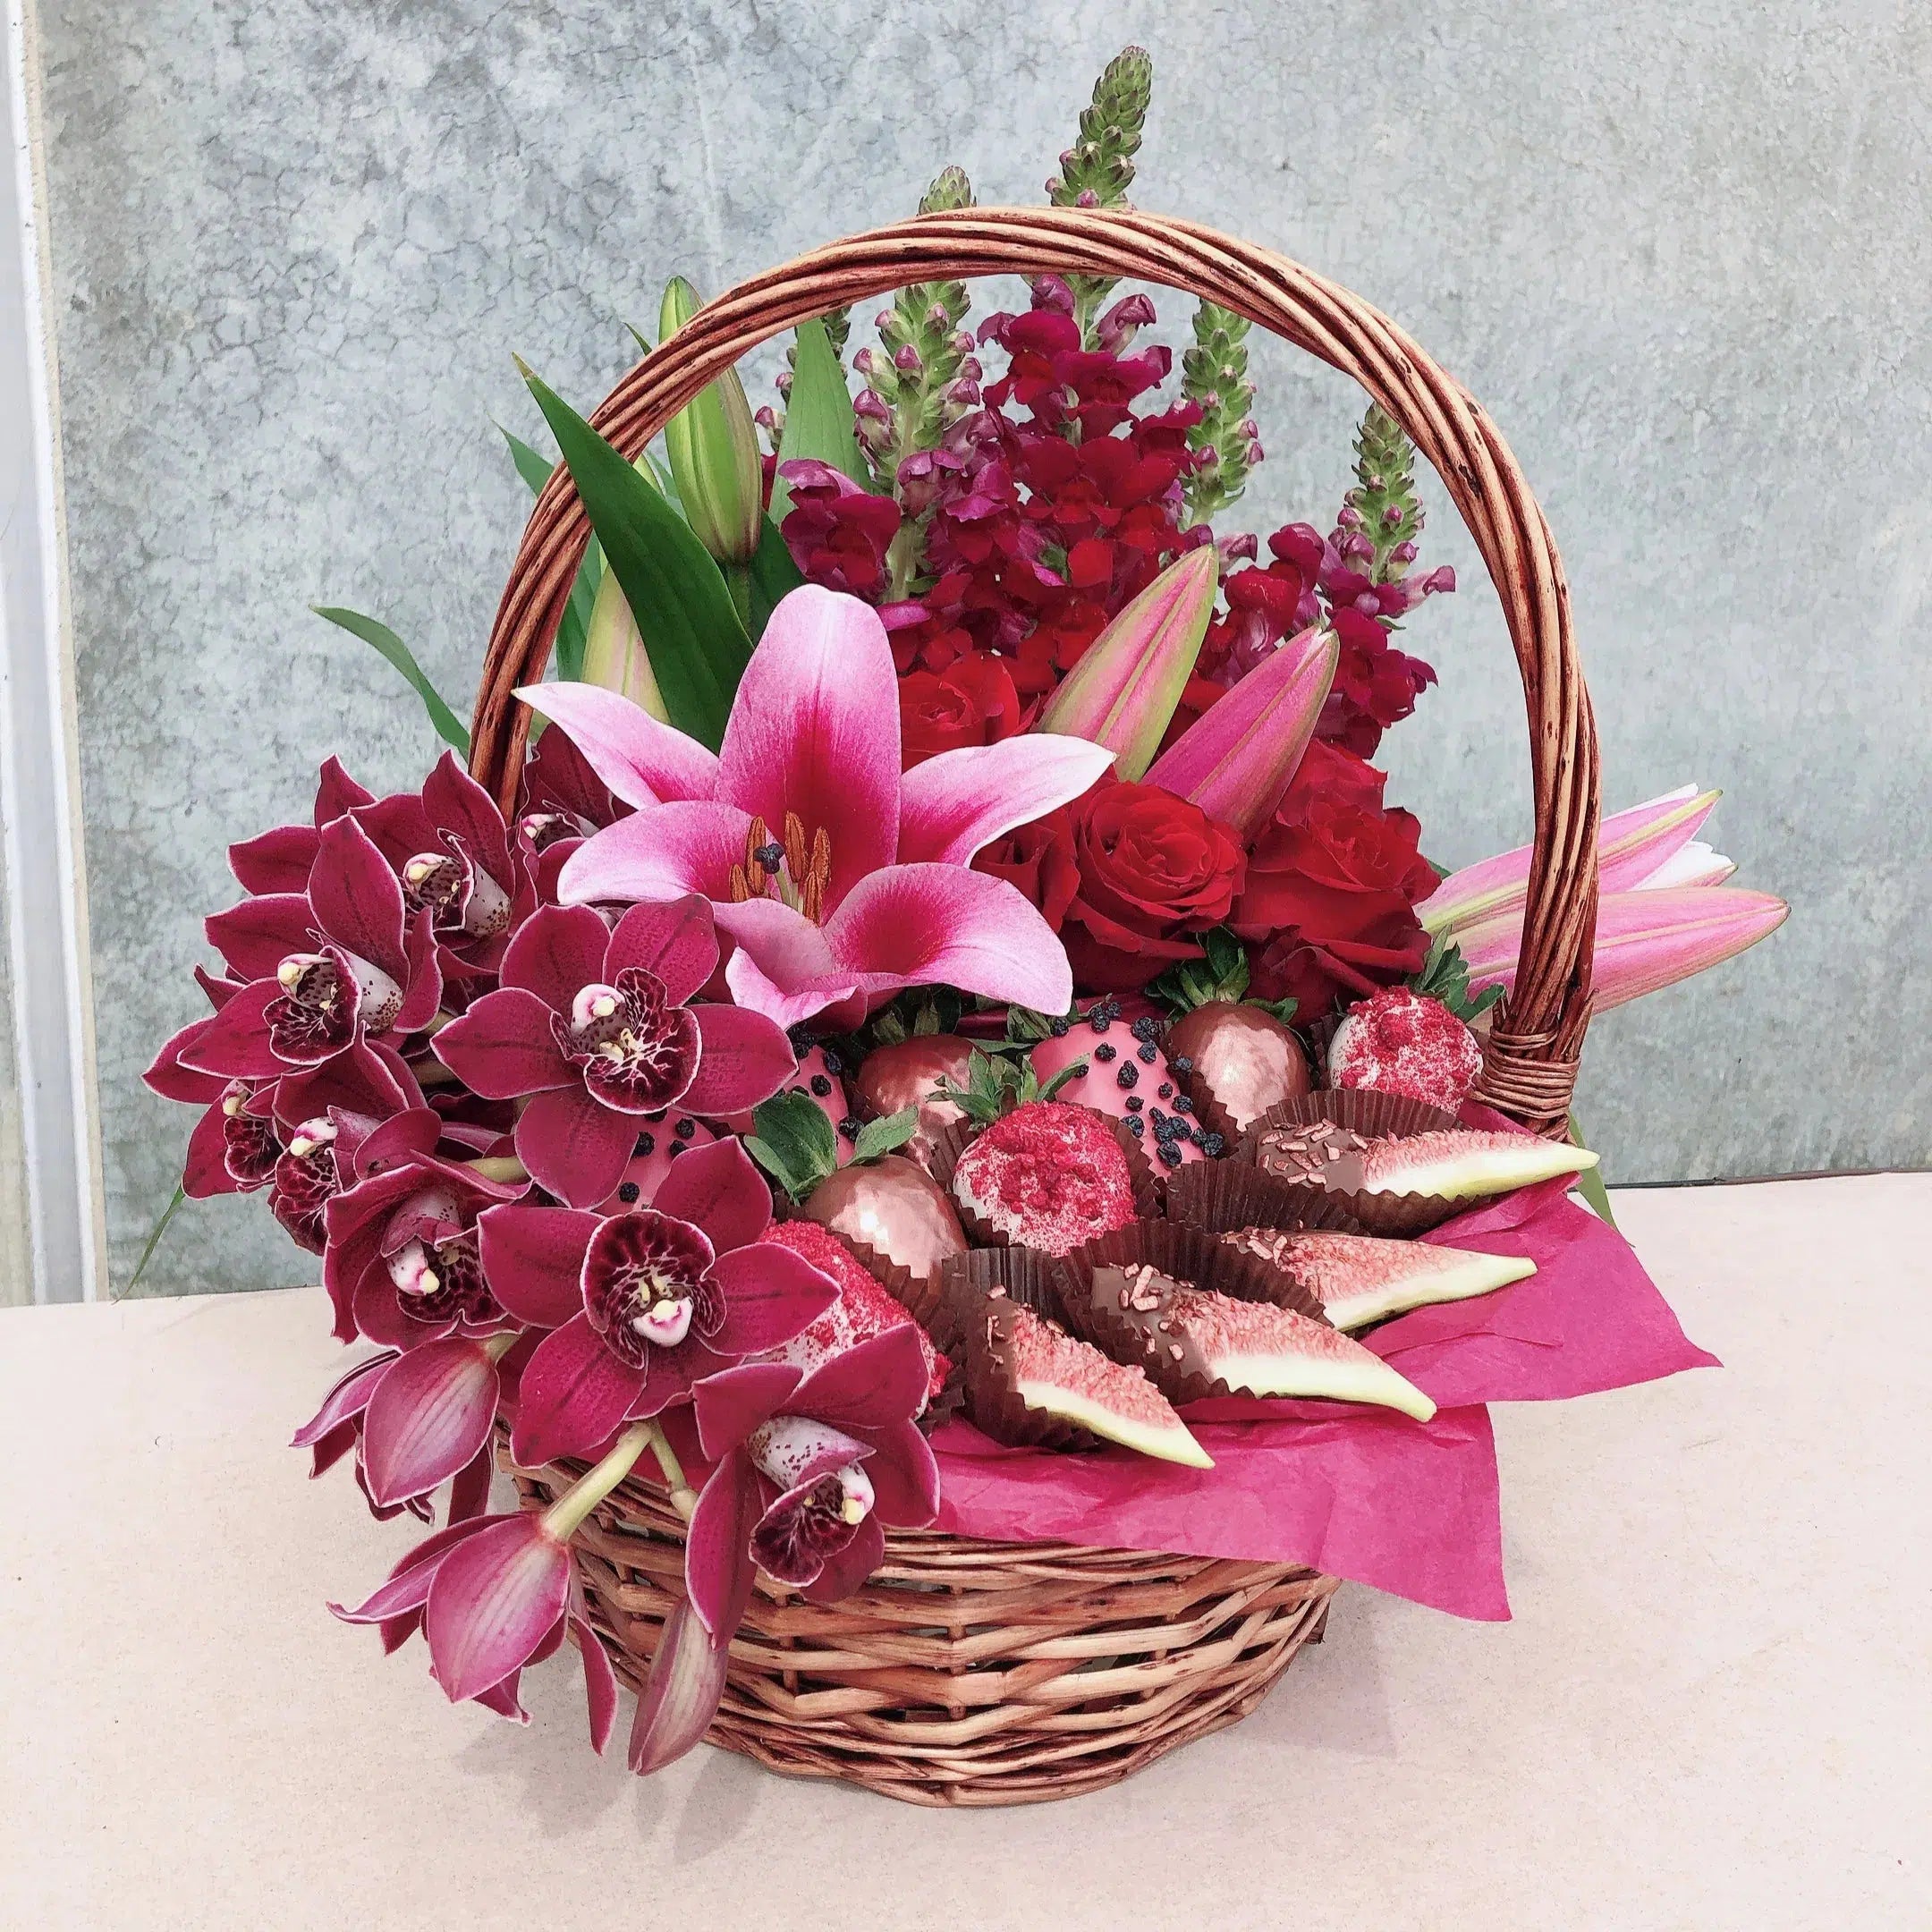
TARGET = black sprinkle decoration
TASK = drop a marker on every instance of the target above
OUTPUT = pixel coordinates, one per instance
(1129, 1074)
(1135, 1103)
(647, 1145)
(820, 1085)
(686, 1128)
(1181, 1064)
(627, 1192)
(1147, 1055)
(1103, 1054)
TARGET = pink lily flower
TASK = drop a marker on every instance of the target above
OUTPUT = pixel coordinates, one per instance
(645, 1303)
(806, 1470)
(321, 968)
(401, 1265)
(1235, 761)
(594, 1027)
(1651, 845)
(1646, 939)
(414, 1421)
(841, 878)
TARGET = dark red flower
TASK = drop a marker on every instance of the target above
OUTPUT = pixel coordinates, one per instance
(972, 702)
(837, 532)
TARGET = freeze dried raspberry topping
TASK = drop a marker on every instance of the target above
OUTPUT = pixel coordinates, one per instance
(1048, 1177)
(1403, 1042)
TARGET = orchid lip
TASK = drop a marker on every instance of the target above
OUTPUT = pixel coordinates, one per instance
(488, 910)
(410, 1271)
(637, 1050)
(310, 1135)
(666, 1321)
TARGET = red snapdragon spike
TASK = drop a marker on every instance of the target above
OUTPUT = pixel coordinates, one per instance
(402, 1265)
(496, 1597)
(428, 1419)
(805, 1472)
(665, 1296)
(681, 1694)
(594, 1024)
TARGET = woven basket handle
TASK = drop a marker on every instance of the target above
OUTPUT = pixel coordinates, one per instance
(1530, 1054)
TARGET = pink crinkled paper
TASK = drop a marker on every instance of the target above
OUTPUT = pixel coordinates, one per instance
(1361, 1493)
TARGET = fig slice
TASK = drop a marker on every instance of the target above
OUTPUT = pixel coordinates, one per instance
(1361, 1278)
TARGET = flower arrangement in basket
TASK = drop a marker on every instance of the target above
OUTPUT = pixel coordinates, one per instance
(935, 1118)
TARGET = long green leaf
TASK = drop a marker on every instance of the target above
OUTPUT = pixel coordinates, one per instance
(818, 415)
(697, 648)
(1589, 1183)
(536, 469)
(774, 575)
(532, 465)
(154, 1242)
(449, 727)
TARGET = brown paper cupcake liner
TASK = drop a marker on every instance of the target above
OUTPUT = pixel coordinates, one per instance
(1186, 1254)
(1222, 1197)
(979, 1291)
(1375, 1116)
(919, 1296)
(952, 1142)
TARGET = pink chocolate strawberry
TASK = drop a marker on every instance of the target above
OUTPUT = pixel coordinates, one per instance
(1401, 1041)
(1127, 1077)
(661, 1138)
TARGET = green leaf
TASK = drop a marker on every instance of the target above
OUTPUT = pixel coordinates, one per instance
(697, 647)
(153, 1241)
(794, 1141)
(774, 575)
(449, 727)
(1222, 975)
(1445, 976)
(1589, 1183)
(818, 415)
(878, 1136)
(532, 465)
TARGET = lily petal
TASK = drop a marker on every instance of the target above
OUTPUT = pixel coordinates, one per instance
(504, 1046)
(771, 1294)
(952, 806)
(557, 950)
(921, 925)
(784, 968)
(428, 1419)
(497, 1596)
(573, 1392)
(533, 1260)
(576, 1148)
(719, 1192)
(663, 851)
(676, 940)
(1236, 759)
(814, 731)
(642, 759)
(681, 1694)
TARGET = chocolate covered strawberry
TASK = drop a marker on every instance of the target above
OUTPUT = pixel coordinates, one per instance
(1125, 1076)
(1236, 1057)
(1401, 1041)
(880, 1199)
(820, 1078)
(907, 1074)
(661, 1138)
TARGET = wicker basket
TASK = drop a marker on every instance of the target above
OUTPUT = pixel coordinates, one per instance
(972, 1673)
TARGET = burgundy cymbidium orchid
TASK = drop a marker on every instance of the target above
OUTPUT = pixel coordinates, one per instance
(839, 878)
(320, 969)
(807, 1471)
(643, 1305)
(591, 1030)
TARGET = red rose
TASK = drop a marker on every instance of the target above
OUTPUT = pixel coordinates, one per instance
(1327, 771)
(1332, 888)
(1125, 875)
(971, 702)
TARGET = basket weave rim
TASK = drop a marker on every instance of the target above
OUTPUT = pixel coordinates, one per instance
(1529, 1057)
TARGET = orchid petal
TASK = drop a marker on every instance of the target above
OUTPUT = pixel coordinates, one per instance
(362, 1079)
(663, 851)
(406, 1586)
(357, 900)
(681, 1694)
(174, 1081)
(205, 1169)
(846, 1569)
(572, 1392)
(675, 939)
(720, 1192)
(643, 761)
(814, 732)
(497, 1596)
(904, 1474)
(953, 805)
(455, 802)
(881, 1381)
(922, 924)
(422, 976)
(556, 953)
(504, 1047)
(427, 1418)
(730, 1405)
(234, 1041)
(336, 791)
(719, 1569)
(257, 936)
(1123, 692)
(470, 1490)
(533, 1260)
(344, 1401)
(600, 1681)
(277, 861)
(1631, 846)
(743, 1058)
(575, 1146)
(1236, 759)
(502, 1698)
(771, 1294)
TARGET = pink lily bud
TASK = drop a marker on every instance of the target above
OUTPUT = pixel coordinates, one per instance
(1123, 692)
(614, 656)
(1646, 939)
(1236, 759)
(713, 447)
(1633, 848)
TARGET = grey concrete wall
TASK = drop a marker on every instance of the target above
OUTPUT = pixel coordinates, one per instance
(1679, 247)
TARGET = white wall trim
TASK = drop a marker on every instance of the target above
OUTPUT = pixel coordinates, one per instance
(39, 745)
